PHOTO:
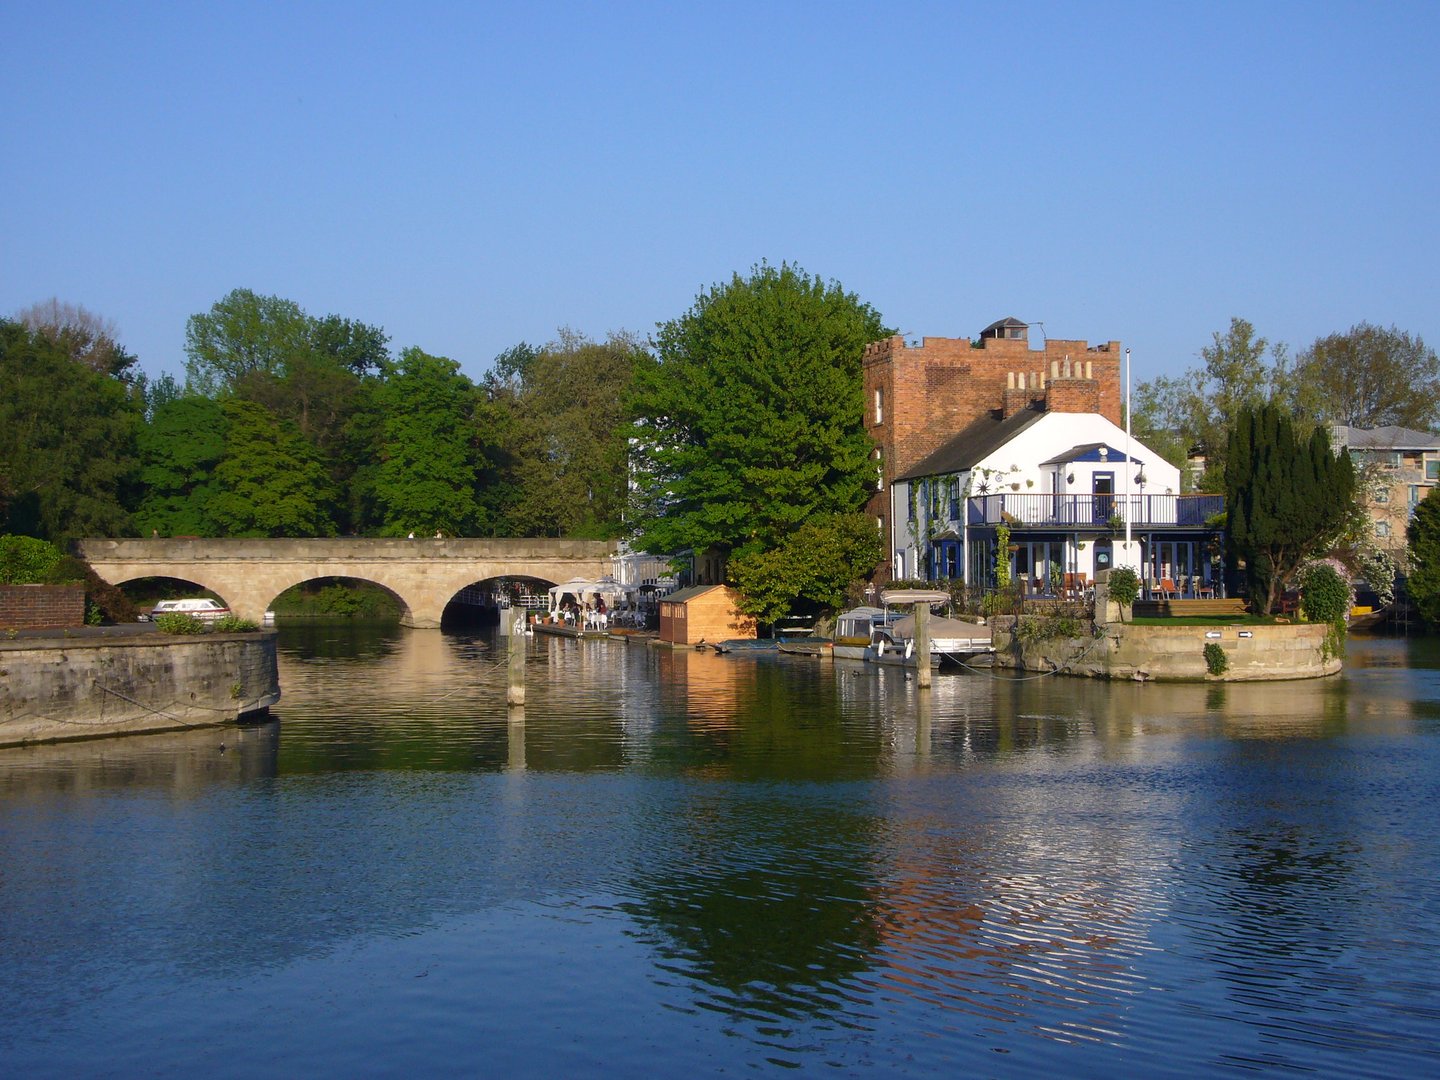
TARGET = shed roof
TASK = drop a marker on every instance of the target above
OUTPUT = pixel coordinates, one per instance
(681, 596)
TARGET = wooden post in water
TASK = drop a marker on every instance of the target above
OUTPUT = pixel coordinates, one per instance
(922, 645)
(919, 601)
(515, 691)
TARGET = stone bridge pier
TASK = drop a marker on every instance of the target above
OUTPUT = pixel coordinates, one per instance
(423, 574)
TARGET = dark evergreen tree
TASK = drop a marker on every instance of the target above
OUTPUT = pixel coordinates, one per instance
(1288, 497)
(1424, 581)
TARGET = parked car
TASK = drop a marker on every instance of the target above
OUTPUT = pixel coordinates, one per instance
(201, 608)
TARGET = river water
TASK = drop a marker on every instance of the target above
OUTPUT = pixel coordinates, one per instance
(678, 862)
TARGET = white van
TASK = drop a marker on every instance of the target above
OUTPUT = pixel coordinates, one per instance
(203, 608)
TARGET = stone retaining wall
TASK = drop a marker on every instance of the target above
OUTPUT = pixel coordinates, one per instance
(1178, 653)
(52, 689)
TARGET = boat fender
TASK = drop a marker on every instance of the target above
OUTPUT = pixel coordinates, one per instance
(909, 648)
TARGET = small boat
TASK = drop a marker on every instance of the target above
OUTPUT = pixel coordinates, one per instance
(805, 646)
(732, 645)
(855, 629)
(952, 641)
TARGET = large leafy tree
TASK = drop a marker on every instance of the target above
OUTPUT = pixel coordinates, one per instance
(270, 482)
(179, 451)
(425, 480)
(1370, 377)
(749, 417)
(1289, 498)
(1424, 581)
(310, 371)
(243, 335)
(87, 337)
(566, 447)
(1238, 370)
(815, 564)
(67, 440)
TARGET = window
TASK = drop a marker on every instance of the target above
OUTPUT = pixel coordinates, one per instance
(899, 555)
(879, 469)
(1432, 468)
(879, 405)
(1382, 529)
(1382, 495)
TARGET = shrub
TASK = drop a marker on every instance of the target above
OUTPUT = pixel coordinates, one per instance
(1216, 661)
(1324, 594)
(1124, 585)
(233, 624)
(176, 622)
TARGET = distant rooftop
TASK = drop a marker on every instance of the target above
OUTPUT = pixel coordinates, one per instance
(1391, 437)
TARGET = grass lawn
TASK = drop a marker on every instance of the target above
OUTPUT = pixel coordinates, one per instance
(1207, 620)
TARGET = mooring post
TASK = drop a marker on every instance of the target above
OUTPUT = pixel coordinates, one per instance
(515, 691)
(922, 645)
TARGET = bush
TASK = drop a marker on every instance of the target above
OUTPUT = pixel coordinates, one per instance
(1324, 595)
(1216, 661)
(233, 624)
(175, 622)
(1124, 585)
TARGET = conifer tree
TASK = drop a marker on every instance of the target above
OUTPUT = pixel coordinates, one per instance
(1288, 497)
(1424, 582)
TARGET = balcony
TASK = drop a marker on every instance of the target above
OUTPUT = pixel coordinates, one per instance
(1094, 511)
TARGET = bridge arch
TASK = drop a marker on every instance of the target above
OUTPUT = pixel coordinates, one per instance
(424, 574)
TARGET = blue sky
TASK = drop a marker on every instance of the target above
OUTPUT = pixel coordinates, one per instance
(469, 176)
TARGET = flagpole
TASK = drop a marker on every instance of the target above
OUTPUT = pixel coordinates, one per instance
(1127, 456)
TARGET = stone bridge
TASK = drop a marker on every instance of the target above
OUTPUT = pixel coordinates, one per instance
(424, 575)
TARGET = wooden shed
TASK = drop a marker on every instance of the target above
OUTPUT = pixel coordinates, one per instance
(703, 613)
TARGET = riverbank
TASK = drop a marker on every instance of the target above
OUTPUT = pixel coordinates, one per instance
(114, 681)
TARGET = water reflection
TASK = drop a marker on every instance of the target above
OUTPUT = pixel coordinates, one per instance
(756, 861)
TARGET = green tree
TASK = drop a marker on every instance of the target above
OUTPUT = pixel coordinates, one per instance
(243, 334)
(566, 448)
(270, 481)
(179, 451)
(749, 418)
(816, 564)
(1289, 498)
(1239, 370)
(1372, 377)
(87, 338)
(67, 441)
(1424, 581)
(425, 480)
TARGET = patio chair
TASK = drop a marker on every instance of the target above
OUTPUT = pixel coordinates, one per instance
(1166, 590)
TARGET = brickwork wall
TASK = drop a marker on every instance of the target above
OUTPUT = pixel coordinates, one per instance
(41, 607)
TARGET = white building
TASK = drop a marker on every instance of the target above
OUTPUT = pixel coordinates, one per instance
(1065, 485)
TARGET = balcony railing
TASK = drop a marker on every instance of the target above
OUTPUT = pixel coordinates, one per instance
(1094, 511)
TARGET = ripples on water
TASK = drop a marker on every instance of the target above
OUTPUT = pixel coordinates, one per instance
(680, 862)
